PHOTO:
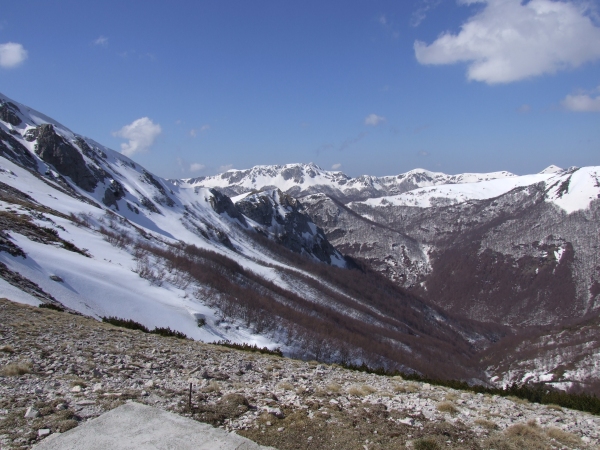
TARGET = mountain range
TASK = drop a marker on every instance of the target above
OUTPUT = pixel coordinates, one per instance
(491, 278)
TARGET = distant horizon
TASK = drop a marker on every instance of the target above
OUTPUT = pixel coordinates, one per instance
(194, 88)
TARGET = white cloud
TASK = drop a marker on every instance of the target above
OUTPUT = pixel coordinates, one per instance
(196, 167)
(374, 120)
(582, 103)
(225, 168)
(12, 55)
(421, 12)
(383, 19)
(102, 41)
(141, 134)
(509, 40)
(336, 166)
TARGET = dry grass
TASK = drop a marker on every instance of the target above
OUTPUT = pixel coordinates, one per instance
(517, 400)
(554, 407)
(487, 424)
(451, 396)
(519, 436)
(405, 388)
(361, 390)
(16, 369)
(563, 437)
(7, 349)
(213, 386)
(447, 407)
(285, 386)
(334, 388)
(78, 382)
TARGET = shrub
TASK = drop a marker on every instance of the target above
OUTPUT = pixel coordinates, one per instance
(425, 444)
(133, 325)
(125, 323)
(250, 348)
(201, 322)
(167, 332)
(51, 306)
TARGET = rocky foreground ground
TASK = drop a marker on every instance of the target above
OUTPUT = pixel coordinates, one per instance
(58, 370)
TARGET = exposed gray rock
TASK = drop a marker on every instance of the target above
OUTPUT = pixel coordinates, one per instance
(15, 151)
(66, 159)
(223, 205)
(9, 113)
(284, 218)
(113, 193)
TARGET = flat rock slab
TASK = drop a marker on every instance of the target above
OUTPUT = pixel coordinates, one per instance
(135, 426)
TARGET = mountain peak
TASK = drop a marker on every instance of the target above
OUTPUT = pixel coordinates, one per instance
(551, 169)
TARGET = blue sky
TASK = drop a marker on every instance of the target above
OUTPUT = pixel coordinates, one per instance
(190, 88)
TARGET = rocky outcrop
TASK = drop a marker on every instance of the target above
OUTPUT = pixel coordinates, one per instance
(395, 254)
(15, 151)
(162, 197)
(283, 217)
(223, 205)
(9, 113)
(66, 159)
(113, 193)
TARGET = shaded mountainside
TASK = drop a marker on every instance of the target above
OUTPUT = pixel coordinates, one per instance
(96, 232)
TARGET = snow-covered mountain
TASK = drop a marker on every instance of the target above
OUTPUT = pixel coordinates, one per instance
(88, 228)
(299, 180)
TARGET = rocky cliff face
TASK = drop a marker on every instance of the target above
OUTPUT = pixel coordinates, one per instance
(283, 218)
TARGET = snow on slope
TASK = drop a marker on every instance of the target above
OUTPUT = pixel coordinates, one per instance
(106, 283)
(571, 190)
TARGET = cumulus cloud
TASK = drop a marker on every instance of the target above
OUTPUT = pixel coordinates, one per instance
(582, 102)
(196, 167)
(509, 40)
(374, 120)
(140, 134)
(12, 55)
(102, 41)
(336, 166)
(225, 168)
